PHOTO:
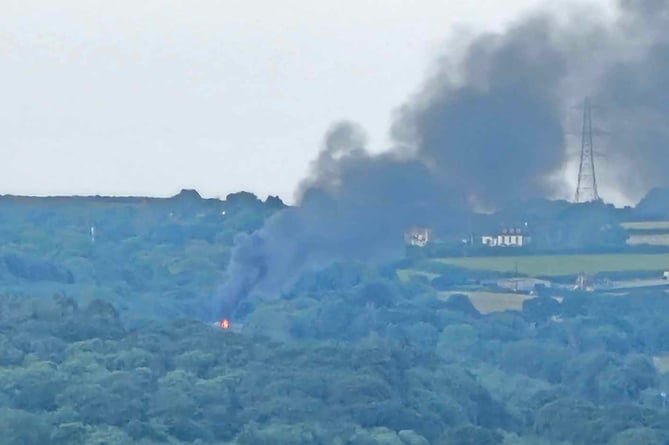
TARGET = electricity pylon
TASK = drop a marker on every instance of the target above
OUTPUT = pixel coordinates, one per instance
(586, 189)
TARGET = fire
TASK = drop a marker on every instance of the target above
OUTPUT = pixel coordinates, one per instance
(225, 323)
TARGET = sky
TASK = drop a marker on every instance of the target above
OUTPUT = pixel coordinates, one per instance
(150, 97)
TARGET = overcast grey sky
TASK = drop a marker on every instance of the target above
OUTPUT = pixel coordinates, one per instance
(146, 97)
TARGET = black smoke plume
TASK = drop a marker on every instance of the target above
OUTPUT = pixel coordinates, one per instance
(487, 129)
(355, 206)
(493, 129)
(634, 94)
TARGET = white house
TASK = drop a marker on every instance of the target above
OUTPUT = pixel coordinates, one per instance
(511, 237)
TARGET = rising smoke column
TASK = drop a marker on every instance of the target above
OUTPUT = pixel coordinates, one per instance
(484, 131)
(354, 206)
(505, 107)
(468, 146)
(493, 129)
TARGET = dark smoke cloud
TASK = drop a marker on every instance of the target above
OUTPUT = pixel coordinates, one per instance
(497, 130)
(496, 135)
(634, 92)
(486, 130)
(355, 206)
(345, 140)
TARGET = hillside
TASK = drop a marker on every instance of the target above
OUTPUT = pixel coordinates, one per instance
(104, 339)
(152, 258)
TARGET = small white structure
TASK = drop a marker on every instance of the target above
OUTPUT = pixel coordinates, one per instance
(522, 284)
(513, 237)
(417, 236)
(583, 282)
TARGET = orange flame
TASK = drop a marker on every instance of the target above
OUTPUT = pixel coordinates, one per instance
(225, 323)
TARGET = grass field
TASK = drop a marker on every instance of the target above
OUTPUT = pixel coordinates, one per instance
(487, 302)
(405, 274)
(651, 233)
(647, 225)
(651, 240)
(555, 265)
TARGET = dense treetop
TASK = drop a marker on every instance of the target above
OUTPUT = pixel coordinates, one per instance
(106, 341)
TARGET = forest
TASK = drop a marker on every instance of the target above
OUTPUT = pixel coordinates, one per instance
(106, 338)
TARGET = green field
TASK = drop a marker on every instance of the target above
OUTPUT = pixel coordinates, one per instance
(487, 302)
(652, 240)
(405, 274)
(555, 265)
(646, 225)
(652, 233)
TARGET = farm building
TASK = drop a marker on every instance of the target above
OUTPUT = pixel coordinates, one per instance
(417, 236)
